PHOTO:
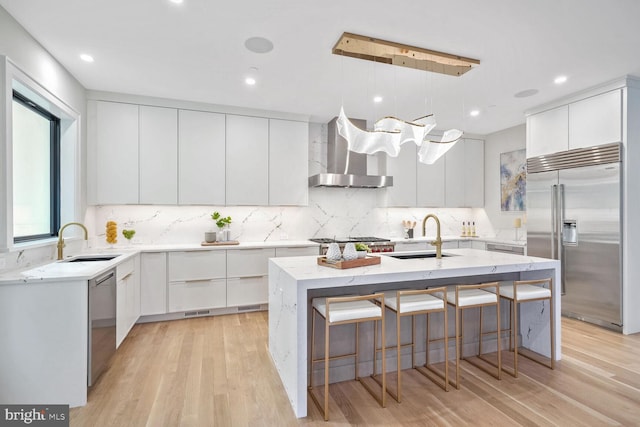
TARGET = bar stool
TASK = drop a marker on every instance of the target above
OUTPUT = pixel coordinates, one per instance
(411, 303)
(474, 296)
(342, 311)
(527, 291)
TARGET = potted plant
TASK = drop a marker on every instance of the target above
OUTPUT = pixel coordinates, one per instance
(221, 223)
(362, 250)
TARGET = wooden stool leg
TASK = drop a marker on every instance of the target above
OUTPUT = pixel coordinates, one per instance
(326, 369)
(398, 358)
(515, 339)
(358, 348)
(446, 349)
(313, 338)
(499, 336)
(480, 341)
(458, 314)
(552, 327)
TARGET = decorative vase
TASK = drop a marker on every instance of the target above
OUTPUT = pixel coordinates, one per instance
(349, 253)
(362, 254)
(210, 236)
(222, 234)
(333, 252)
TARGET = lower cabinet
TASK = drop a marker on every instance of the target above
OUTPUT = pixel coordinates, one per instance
(303, 251)
(197, 294)
(153, 283)
(197, 280)
(247, 276)
(127, 297)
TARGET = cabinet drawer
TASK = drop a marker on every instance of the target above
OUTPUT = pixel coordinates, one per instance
(286, 252)
(452, 244)
(247, 291)
(125, 268)
(197, 265)
(465, 244)
(410, 246)
(197, 294)
(248, 262)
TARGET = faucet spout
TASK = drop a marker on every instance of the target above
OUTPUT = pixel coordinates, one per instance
(61, 243)
(438, 242)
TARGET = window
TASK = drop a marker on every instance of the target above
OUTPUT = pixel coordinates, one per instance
(36, 171)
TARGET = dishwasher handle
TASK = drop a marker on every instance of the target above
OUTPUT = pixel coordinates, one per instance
(103, 279)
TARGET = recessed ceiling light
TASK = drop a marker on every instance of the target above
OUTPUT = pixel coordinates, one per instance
(474, 113)
(250, 81)
(560, 79)
(86, 58)
(526, 93)
(176, 1)
(377, 99)
(258, 45)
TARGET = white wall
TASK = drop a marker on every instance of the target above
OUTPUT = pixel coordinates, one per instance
(501, 142)
(32, 59)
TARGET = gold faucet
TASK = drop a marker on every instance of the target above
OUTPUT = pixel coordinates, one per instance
(61, 244)
(438, 242)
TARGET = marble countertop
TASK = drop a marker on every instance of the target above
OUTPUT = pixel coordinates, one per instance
(56, 271)
(460, 263)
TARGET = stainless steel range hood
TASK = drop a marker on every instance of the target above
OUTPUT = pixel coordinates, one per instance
(346, 168)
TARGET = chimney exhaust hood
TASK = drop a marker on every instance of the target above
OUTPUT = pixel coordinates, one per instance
(346, 168)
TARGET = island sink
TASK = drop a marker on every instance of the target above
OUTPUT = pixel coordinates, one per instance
(418, 255)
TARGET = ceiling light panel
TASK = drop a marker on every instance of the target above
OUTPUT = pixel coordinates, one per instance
(368, 48)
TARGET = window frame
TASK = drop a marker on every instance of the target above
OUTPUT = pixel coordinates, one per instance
(54, 159)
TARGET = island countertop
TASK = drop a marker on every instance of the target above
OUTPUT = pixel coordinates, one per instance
(294, 281)
(455, 262)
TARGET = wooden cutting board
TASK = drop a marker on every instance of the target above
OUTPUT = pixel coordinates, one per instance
(227, 243)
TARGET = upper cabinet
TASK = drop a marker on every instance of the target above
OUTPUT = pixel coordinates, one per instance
(456, 180)
(139, 154)
(548, 132)
(464, 174)
(201, 158)
(288, 163)
(158, 155)
(589, 122)
(403, 171)
(596, 120)
(247, 154)
(112, 153)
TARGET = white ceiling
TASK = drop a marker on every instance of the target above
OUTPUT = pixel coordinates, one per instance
(195, 51)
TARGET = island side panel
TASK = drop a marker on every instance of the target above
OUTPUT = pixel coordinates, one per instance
(287, 335)
(44, 330)
(534, 318)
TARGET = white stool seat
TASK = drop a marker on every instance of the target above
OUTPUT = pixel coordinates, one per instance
(411, 303)
(525, 292)
(345, 311)
(469, 297)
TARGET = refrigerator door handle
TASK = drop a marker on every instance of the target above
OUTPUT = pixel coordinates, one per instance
(558, 231)
(554, 226)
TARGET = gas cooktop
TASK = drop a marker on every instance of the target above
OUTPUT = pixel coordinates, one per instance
(362, 239)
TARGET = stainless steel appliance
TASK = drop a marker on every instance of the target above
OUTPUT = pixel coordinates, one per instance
(376, 244)
(102, 324)
(574, 215)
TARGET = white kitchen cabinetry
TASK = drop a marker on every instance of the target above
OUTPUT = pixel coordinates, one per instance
(478, 245)
(247, 276)
(288, 163)
(403, 170)
(548, 132)
(153, 283)
(303, 251)
(201, 158)
(197, 280)
(449, 244)
(430, 184)
(596, 120)
(464, 174)
(127, 297)
(247, 161)
(112, 153)
(158, 155)
(411, 246)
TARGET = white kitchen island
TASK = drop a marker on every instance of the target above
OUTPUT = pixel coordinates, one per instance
(294, 281)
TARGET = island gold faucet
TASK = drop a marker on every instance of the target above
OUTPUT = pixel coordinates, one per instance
(61, 244)
(438, 242)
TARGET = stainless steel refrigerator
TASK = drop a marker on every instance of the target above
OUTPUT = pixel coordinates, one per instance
(574, 215)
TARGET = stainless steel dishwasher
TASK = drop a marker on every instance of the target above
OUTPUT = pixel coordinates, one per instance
(102, 324)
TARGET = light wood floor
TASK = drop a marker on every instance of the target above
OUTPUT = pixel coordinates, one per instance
(216, 371)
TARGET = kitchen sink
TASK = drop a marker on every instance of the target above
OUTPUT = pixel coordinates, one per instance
(92, 258)
(417, 255)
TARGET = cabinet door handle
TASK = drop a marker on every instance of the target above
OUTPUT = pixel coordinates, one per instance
(260, 276)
